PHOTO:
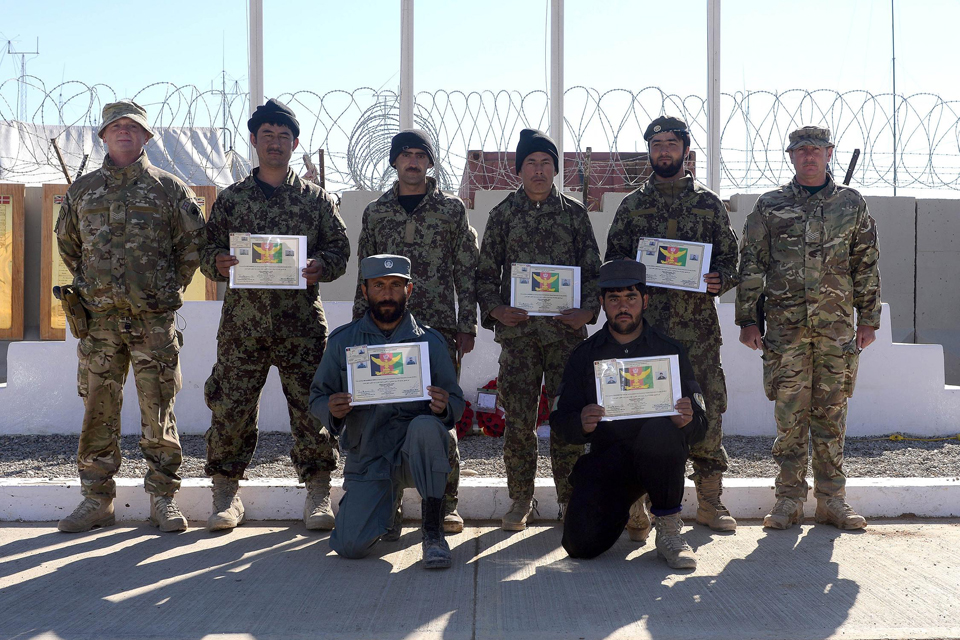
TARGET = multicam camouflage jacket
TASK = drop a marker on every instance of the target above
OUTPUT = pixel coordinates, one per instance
(296, 208)
(442, 248)
(698, 215)
(814, 257)
(130, 237)
(555, 231)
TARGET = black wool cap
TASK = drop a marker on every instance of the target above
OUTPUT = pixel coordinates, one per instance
(274, 112)
(411, 139)
(532, 141)
(622, 273)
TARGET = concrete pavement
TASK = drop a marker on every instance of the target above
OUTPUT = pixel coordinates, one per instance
(265, 581)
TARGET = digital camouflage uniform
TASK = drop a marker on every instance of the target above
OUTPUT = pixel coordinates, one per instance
(698, 215)
(130, 238)
(815, 258)
(556, 231)
(263, 327)
(442, 246)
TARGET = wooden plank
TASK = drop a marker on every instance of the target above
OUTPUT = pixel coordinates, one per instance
(52, 270)
(11, 261)
(202, 288)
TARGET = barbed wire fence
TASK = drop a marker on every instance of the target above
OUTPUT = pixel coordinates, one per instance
(354, 129)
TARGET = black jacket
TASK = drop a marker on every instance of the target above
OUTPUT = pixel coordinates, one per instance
(579, 389)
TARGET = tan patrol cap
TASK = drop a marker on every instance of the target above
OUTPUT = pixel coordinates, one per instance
(810, 137)
(124, 109)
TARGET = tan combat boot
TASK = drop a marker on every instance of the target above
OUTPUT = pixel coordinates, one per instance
(786, 513)
(92, 512)
(516, 518)
(835, 510)
(670, 544)
(317, 512)
(710, 511)
(227, 508)
(166, 515)
(639, 525)
(452, 522)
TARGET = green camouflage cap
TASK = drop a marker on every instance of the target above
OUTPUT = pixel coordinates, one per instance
(664, 124)
(124, 109)
(810, 137)
(383, 265)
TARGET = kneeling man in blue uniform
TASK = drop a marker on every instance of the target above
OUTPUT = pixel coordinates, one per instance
(627, 457)
(393, 445)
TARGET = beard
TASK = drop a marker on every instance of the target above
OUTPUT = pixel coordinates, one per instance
(626, 329)
(669, 170)
(387, 312)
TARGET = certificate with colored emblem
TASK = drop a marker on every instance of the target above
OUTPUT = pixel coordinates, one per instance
(638, 387)
(544, 289)
(675, 264)
(268, 262)
(388, 373)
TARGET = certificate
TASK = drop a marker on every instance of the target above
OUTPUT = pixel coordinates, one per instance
(675, 264)
(388, 373)
(268, 261)
(544, 289)
(638, 387)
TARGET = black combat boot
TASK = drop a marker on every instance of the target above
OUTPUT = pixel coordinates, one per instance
(436, 551)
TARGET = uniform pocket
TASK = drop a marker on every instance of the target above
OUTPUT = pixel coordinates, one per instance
(84, 349)
(851, 361)
(169, 380)
(771, 372)
(142, 239)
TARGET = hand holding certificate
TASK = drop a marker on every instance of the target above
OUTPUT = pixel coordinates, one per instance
(638, 387)
(388, 373)
(675, 264)
(544, 289)
(268, 261)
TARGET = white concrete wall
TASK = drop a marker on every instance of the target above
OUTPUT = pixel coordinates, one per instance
(901, 386)
(938, 279)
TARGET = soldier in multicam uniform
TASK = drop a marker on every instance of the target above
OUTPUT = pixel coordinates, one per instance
(417, 220)
(811, 248)
(672, 204)
(535, 224)
(129, 234)
(261, 328)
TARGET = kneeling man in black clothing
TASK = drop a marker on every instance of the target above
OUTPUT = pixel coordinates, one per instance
(631, 457)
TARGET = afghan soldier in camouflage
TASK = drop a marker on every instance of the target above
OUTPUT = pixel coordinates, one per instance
(811, 248)
(672, 204)
(129, 233)
(261, 328)
(417, 220)
(535, 224)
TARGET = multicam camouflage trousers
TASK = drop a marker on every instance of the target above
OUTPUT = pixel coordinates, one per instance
(451, 493)
(708, 455)
(233, 394)
(810, 379)
(524, 362)
(149, 343)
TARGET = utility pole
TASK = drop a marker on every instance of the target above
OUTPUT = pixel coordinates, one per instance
(22, 84)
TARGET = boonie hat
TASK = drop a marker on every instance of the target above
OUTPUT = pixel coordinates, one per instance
(622, 273)
(810, 137)
(665, 124)
(124, 109)
(383, 265)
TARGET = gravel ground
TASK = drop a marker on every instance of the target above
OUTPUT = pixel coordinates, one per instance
(55, 457)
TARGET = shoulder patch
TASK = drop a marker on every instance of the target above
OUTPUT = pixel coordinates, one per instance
(698, 398)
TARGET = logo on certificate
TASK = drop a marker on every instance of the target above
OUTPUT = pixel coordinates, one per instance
(544, 281)
(673, 256)
(267, 253)
(387, 364)
(633, 378)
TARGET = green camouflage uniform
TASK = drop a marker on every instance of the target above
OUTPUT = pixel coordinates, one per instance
(130, 238)
(690, 318)
(442, 248)
(285, 328)
(556, 231)
(815, 258)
